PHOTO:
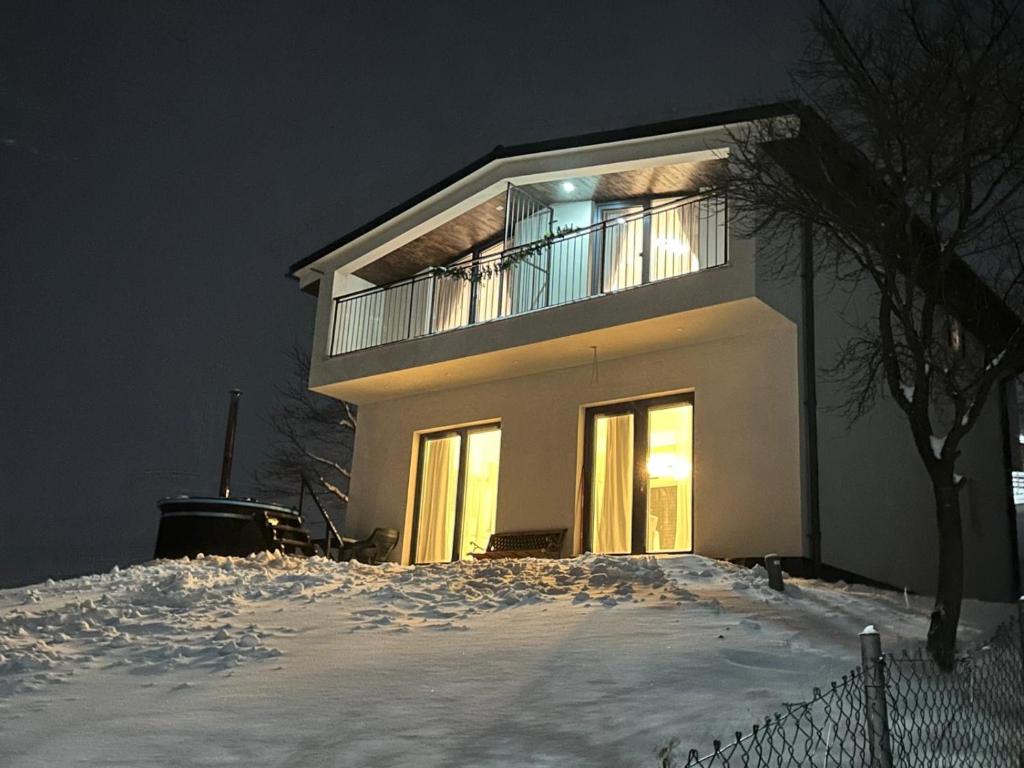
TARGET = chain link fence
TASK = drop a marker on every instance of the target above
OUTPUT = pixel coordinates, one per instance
(894, 711)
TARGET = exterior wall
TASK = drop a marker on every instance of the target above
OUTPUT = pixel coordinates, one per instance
(875, 499)
(746, 442)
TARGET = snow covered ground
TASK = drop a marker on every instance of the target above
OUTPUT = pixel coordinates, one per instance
(276, 661)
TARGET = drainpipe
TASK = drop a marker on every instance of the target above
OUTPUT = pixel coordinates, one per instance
(229, 444)
(810, 394)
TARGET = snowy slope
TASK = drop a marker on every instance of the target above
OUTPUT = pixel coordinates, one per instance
(273, 661)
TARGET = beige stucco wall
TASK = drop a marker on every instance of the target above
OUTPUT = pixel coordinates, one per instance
(746, 441)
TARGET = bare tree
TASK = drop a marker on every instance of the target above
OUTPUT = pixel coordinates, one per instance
(906, 172)
(314, 435)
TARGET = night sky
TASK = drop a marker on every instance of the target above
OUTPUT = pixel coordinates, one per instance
(162, 163)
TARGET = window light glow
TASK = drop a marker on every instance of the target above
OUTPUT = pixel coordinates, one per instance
(673, 245)
(669, 465)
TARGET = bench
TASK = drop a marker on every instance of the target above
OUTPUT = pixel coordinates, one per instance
(524, 544)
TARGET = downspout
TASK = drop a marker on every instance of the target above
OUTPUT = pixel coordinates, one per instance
(810, 394)
(1009, 464)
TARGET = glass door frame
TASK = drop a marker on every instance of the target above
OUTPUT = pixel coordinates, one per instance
(460, 489)
(601, 242)
(639, 409)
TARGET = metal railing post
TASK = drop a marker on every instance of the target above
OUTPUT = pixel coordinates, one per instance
(434, 281)
(412, 299)
(876, 707)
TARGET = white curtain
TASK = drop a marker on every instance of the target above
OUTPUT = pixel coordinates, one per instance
(451, 300)
(612, 502)
(675, 239)
(480, 496)
(491, 298)
(435, 525)
(623, 248)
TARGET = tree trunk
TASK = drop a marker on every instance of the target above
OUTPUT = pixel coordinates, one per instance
(946, 614)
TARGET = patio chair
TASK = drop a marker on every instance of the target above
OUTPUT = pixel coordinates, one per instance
(373, 550)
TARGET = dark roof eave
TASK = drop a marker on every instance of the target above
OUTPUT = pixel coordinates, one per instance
(760, 112)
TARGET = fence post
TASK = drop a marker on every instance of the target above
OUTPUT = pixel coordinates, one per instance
(1020, 628)
(876, 713)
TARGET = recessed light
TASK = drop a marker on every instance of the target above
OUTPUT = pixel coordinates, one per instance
(568, 186)
(499, 207)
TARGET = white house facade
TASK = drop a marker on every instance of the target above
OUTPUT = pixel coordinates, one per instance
(631, 374)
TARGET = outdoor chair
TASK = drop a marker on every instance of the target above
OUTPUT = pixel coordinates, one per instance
(373, 550)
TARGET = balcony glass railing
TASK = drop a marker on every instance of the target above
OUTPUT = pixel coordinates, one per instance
(676, 237)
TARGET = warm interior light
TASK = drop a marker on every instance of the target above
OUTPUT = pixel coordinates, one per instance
(670, 474)
(480, 494)
(673, 245)
(669, 465)
(568, 186)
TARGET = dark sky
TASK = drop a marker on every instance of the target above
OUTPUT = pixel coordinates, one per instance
(161, 163)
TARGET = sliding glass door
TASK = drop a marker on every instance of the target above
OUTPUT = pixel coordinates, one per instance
(457, 493)
(639, 477)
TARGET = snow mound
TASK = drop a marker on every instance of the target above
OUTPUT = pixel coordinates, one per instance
(180, 613)
(208, 662)
(439, 596)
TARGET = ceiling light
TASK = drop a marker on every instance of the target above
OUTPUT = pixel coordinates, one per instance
(500, 207)
(568, 186)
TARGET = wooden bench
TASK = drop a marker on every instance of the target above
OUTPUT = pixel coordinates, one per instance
(524, 544)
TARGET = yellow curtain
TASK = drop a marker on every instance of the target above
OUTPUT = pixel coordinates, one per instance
(435, 526)
(612, 503)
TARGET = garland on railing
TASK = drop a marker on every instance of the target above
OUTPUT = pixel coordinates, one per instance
(475, 273)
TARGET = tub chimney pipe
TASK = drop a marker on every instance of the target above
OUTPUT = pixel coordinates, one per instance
(229, 444)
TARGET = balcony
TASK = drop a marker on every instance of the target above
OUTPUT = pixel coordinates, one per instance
(628, 248)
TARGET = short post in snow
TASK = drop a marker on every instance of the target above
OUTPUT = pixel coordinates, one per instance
(773, 564)
(876, 707)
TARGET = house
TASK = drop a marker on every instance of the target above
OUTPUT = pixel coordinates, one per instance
(635, 375)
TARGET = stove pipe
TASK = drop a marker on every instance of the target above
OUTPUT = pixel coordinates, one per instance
(229, 444)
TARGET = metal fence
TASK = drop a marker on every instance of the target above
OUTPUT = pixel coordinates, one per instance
(675, 238)
(894, 711)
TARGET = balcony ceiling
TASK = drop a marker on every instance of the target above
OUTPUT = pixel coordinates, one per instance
(486, 221)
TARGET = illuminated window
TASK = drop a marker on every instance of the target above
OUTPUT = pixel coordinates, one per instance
(457, 494)
(639, 476)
